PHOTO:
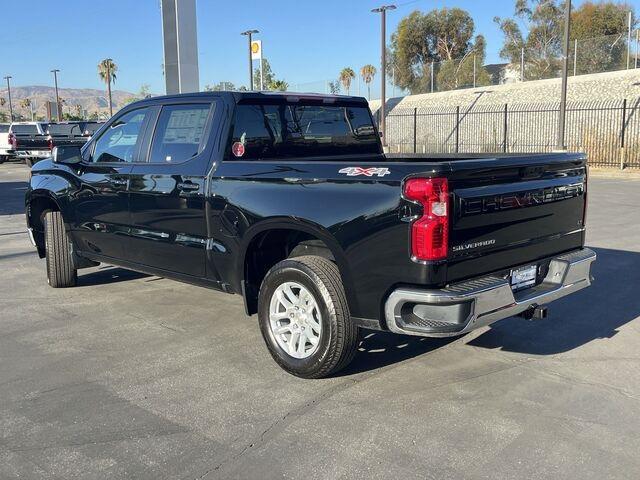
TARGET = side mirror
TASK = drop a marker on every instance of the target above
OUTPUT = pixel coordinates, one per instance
(68, 155)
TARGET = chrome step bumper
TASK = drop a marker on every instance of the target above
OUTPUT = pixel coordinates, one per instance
(465, 306)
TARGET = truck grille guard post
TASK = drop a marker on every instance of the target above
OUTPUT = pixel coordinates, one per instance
(465, 306)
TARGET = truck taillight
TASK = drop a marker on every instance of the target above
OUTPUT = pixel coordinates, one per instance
(430, 232)
(50, 142)
(13, 141)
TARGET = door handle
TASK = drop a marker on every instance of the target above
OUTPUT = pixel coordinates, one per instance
(188, 186)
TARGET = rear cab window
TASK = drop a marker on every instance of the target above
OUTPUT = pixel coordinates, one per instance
(301, 129)
(4, 128)
(64, 129)
(25, 129)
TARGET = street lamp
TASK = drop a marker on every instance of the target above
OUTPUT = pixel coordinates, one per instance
(248, 33)
(55, 79)
(382, 10)
(7, 78)
(565, 69)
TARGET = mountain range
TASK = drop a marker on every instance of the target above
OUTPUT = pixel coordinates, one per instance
(90, 100)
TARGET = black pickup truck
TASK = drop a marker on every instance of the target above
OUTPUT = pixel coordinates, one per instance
(30, 141)
(66, 134)
(289, 201)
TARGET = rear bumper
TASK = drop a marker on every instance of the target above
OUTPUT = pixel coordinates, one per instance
(33, 153)
(465, 306)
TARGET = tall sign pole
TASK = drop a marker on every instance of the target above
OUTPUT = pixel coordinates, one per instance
(7, 78)
(249, 33)
(383, 66)
(55, 80)
(561, 144)
(180, 46)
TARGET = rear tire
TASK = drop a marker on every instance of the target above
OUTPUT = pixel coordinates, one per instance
(61, 271)
(327, 349)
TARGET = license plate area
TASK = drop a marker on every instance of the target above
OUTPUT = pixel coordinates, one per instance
(523, 277)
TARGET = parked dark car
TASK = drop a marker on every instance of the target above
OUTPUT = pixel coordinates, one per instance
(289, 201)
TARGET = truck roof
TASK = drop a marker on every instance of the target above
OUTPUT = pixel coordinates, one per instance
(238, 97)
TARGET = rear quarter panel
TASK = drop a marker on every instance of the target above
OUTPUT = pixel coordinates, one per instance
(363, 220)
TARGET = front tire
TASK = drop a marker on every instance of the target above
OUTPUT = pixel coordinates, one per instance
(61, 271)
(304, 317)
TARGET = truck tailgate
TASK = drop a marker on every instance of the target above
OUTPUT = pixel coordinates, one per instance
(505, 215)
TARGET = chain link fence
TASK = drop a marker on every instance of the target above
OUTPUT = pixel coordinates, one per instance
(608, 132)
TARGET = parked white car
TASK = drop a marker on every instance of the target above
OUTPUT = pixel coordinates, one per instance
(6, 148)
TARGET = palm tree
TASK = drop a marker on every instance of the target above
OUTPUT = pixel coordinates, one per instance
(107, 72)
(346, 75)
(367, 73)
(26, 103)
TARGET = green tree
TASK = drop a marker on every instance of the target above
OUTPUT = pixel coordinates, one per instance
(279, 85)
(220, 87)
(267, 73)
(437, 36)
(107, 72)
(270, 82)
(143, 92)
(26, 104)
(541, 37)
(367, 73)
(346, 76)
(4, 117)
(600, 30)
(459, 73)
(334, 87)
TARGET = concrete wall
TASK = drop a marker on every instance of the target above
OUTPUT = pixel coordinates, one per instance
(474, 120)
(583, 88)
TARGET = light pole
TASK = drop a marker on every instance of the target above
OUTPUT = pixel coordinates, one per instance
(382, 10)
(249, 33)
(7, 78)
(565, 67)
(55, 80)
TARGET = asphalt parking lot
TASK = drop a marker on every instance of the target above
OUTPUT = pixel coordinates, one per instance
(132, 376)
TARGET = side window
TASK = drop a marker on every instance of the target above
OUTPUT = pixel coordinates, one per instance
(120, 141)
(179, 132)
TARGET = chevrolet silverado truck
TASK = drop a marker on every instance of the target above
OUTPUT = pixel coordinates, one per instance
(66, 134)
(289, 201)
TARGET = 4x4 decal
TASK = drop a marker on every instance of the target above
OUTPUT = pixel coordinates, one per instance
(367, 172)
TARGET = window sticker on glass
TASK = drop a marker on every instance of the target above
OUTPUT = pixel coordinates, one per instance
(237, 149)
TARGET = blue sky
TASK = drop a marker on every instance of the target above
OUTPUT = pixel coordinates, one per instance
(304, 40)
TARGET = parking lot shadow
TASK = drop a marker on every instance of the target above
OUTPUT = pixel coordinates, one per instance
(593, 313)
(12, 197)
(108, 274)
(379, 349)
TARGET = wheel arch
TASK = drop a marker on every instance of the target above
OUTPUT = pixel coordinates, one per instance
(39, 203)
(301, 238)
